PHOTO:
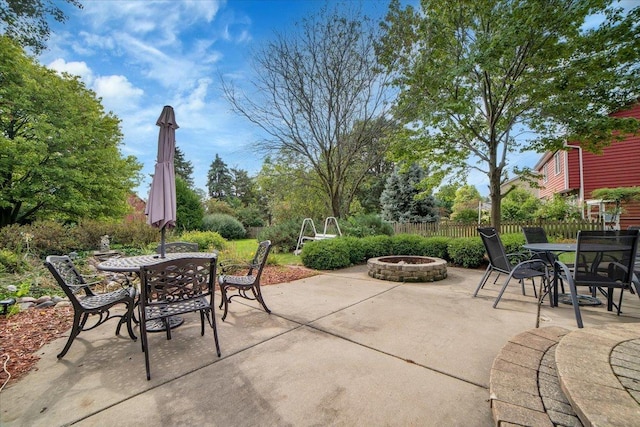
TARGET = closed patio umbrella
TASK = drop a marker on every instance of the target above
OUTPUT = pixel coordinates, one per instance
(161, 206)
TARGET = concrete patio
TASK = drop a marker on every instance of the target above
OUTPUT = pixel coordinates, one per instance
(339, 348)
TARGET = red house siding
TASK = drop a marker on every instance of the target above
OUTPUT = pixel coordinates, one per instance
(556, 182)
(617, 166)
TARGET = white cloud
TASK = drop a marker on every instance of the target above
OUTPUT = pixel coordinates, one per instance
(76, 68)
(117, 93)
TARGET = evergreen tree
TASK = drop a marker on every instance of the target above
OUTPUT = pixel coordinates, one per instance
(402, 199)
(183, 168)
(189, 210)
(243, 186)
(219, 180)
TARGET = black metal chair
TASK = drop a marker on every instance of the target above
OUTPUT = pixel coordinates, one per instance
(86, 302)
(609, 258)
(538, 235)
(174, 247)
(510, 264)
(247, 282)
(176, 287)
(636, 268)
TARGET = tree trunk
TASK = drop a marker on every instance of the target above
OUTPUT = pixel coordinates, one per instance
(495, 197)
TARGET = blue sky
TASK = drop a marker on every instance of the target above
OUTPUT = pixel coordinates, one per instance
(139, 55)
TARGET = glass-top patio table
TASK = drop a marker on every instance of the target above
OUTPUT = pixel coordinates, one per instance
(133, 264)
(569, 247)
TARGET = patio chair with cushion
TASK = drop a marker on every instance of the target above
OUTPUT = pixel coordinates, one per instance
(510, 264)
(174, 247)
(176, 287)
(609, 258)
(86, 302)
(246, 282)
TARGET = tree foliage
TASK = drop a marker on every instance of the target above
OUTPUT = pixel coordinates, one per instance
(189, 210)
(465, 204)
(319, 96)
(282, 184)
(183, 167)
(402, 200)
(520, 205)
(219, 181)
(59, 150)
(26, 21)
(473, 74)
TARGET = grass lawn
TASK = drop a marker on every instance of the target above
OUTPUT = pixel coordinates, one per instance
(243, 250)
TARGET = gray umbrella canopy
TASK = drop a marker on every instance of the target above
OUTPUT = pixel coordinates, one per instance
(161, 206)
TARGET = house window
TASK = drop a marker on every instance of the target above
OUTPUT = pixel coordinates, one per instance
(556, 159)
(544, 173)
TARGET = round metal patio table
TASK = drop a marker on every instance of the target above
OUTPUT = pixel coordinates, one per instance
(133, 264)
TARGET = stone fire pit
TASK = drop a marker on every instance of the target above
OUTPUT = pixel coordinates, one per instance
(407, 268)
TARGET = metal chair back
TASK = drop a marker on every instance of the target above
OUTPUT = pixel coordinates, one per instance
(175, 287)
(495, 249)
(88, 303)
(243, 284)
(605, 256)
(535, 235)
(174, 247)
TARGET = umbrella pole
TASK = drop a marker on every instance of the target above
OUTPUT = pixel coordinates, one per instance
(162, 237)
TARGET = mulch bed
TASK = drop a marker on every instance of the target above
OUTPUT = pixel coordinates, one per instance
(23, 334)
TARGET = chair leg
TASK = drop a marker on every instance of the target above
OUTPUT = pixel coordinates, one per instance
(75, 331)
(620, 301)
(504, 287)
(145, 344)
(201, 322)
(258, 295)
(130, 317)
(225, 302)
(575, 303)
(215, 328)
(484, 279)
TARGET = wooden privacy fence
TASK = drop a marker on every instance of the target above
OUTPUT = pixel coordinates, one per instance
(555, 229)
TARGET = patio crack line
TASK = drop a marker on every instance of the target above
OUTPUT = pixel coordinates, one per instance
(447, 374)
(299, 326)
(309, 324)
(168, 381)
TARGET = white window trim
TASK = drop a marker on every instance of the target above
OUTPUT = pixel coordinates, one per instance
(557, 164)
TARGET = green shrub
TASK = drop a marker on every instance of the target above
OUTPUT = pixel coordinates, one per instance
(250, 217)
(466, 251)
(328, 254)
(376, 246)
(437, 247)
(355, 248)
(88, 233)
(283, 236)
(407, 244)
(366, 225)
(513, 243)
(12, 237)
(11, 262)
(50, 238)
(206, 240)
(134, 233)
(226, 225)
